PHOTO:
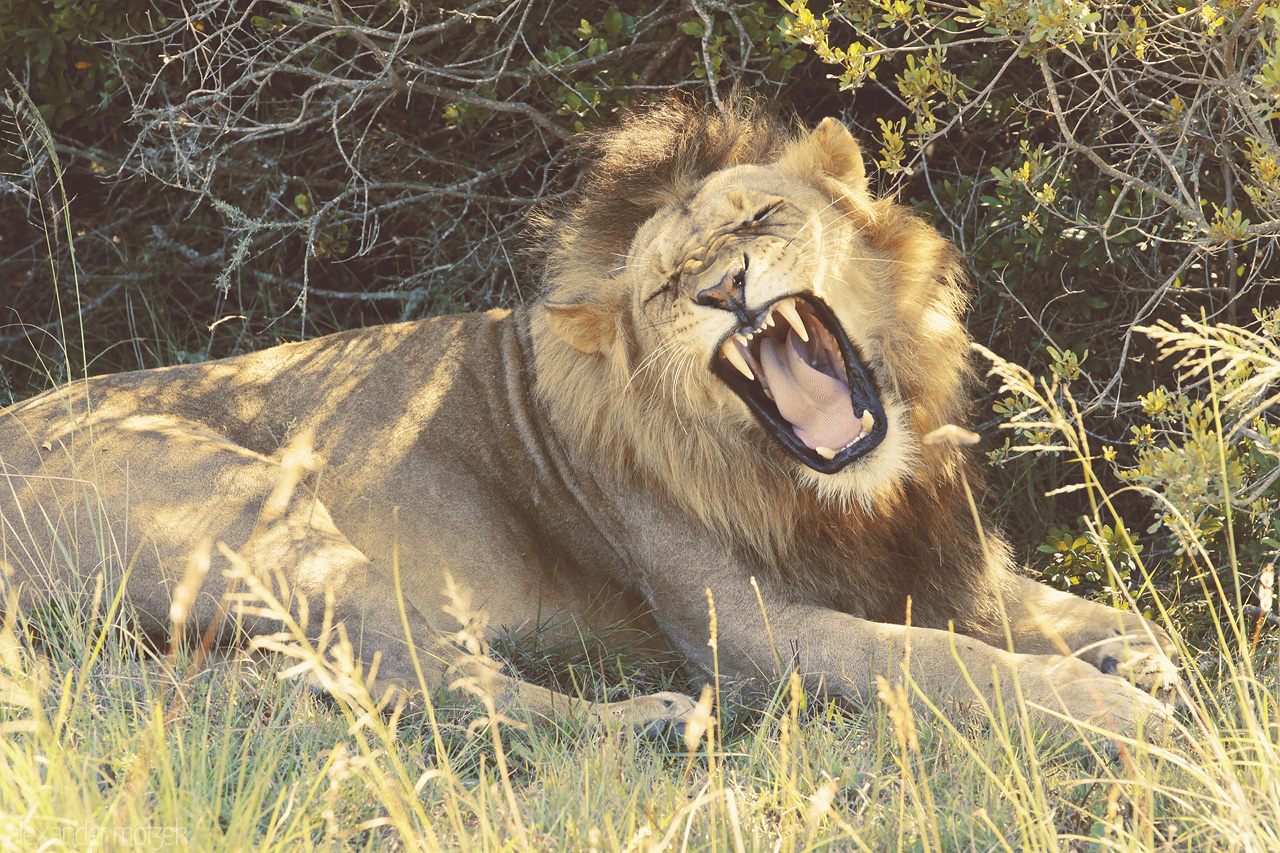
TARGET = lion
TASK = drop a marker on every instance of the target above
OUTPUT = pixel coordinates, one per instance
(721, 394)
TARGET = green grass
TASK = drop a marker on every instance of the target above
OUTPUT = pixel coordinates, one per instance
(100, 741)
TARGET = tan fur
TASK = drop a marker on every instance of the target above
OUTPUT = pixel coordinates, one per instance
(578, 458)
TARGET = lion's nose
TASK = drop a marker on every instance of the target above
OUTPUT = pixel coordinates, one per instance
(729, 293)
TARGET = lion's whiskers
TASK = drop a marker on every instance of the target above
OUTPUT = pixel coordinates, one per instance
(662, 349)
(676, 373)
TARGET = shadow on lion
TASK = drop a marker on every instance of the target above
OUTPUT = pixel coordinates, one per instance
(725, 385)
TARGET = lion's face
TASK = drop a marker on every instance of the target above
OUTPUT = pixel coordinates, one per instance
(769, 299)
(755, 281)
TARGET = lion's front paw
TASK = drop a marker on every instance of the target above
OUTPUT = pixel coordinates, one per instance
(1143, 655)
(652, 713)
(1070, 690)
(1152, 671)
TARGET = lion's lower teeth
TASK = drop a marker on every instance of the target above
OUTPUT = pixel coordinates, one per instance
(867, 421)
(828, 453)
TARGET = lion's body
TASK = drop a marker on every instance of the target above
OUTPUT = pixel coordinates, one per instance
(191, 452)
(594, 456)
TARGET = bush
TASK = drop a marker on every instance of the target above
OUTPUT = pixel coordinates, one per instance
(55, 48)
(292, 168)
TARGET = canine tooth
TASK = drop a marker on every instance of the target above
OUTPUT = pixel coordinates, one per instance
(787, 308)
(730, 351)
(825, 452)
(867, 421)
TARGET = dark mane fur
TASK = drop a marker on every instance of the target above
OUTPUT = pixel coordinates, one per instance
(658, 154)
(925, 547)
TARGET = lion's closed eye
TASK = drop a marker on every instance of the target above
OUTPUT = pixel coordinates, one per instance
(763, 214)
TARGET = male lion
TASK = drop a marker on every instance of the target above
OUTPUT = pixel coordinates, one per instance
(728, 376)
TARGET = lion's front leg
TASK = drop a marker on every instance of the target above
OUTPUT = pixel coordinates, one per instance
(1043, 620)
(761, 631)
(959, 671)
(847, 656)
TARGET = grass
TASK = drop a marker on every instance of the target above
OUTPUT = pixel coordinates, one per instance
(106, 744)
(102, 742)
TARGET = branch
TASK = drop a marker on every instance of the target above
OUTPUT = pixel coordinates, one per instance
(1272, 619)
(56, 324)
(1186, 211)
(497, 106)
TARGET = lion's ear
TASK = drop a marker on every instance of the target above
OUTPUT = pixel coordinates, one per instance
(829, 149)
(589, 327)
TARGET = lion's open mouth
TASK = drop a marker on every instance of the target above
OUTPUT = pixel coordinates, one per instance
(797, 370)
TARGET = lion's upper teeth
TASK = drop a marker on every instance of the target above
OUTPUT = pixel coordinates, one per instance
(787, 308)
(730, 350)
(867, 421)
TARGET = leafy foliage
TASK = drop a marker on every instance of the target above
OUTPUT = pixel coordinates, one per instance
(55, 48)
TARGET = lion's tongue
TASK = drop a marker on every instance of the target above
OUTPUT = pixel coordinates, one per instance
(817, 405)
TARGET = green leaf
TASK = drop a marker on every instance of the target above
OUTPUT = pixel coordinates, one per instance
(613, 21)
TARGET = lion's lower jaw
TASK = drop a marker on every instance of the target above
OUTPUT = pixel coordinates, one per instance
(874, 479)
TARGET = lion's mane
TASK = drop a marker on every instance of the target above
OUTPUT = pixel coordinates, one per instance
(918, 537)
